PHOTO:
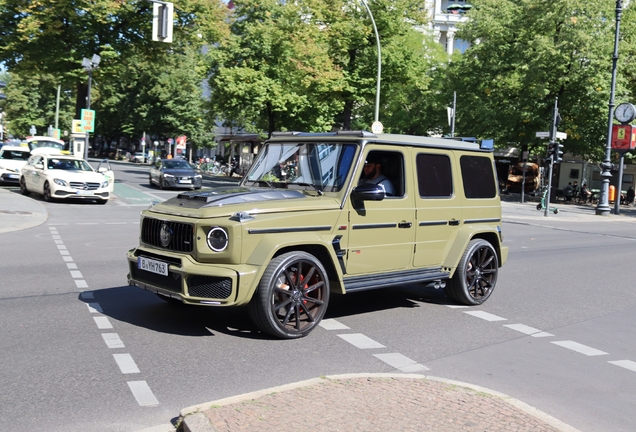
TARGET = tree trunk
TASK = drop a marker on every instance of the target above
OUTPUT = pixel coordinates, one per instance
(80, 102)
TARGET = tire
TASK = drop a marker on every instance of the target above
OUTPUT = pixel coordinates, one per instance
(285, 309)
(47, 192)
(476, 275)
(23, 188)
(150, 181)
(556, 211)
(539, 207)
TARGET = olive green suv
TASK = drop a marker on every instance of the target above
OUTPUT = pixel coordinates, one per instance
(321, 213)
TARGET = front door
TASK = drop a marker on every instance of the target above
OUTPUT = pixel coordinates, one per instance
(381, 233)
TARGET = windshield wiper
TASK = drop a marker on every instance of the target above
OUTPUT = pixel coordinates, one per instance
(310, 184)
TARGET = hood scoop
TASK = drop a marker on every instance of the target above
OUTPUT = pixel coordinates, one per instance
(235, 195)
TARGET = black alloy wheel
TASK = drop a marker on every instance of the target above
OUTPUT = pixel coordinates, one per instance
(292, 296)
(476, 275)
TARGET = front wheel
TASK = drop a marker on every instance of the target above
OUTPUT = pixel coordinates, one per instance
(292, 296)
(47, 192)
(476, 275)
(23, 188)
(539, 207)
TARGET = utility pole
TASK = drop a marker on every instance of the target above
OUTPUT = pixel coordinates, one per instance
(453, 117)
(553, 150)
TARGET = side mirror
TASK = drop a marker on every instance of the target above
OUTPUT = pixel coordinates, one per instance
(368, 192)
(39, 166)
(102, 169)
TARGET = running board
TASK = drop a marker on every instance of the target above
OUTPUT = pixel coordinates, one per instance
(368, 282)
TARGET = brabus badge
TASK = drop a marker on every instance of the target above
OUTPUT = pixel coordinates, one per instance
(165, 235)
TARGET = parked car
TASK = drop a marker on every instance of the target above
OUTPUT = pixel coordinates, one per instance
(12, 159)
(174, 173)
(322, 213)
(54, 175)
(139, 157)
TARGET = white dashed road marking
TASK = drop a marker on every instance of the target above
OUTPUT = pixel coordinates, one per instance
(401, 362)
(94, 308)
(126, 363)
(142, 393)
(361, 341)
(102, 323)
(332, 324)
(580, 348)
(112, 340)
(486, 316)
(627, 364)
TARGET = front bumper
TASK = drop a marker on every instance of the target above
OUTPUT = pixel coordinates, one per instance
(193, 282)
(9, 177)
(177, 182)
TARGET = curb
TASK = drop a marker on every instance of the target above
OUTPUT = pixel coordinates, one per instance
(194, 420)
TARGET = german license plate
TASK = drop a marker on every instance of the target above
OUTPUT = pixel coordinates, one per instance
(186, 181)
(83, 192)
(152, 266)
(13, 176)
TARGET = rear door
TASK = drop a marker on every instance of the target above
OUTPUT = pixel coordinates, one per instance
(439, 213)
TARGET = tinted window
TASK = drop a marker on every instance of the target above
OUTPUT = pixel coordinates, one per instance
(478, 177)
(434, 175)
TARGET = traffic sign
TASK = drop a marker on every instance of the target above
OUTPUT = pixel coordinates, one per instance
(543, 135)
(77, 126)
(561, 135)
(88, 120)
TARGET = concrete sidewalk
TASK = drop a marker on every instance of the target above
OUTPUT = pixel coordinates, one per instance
(369, 403)
(18, 212)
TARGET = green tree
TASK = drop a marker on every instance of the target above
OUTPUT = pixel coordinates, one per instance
(526, 53)
(274, 71)
(50, 38)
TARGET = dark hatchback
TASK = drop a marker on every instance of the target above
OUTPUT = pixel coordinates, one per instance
(174, 173)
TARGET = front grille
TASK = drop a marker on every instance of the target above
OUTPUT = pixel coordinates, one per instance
(181, 237)
(85, 186)
(209, 287)
(172, 282)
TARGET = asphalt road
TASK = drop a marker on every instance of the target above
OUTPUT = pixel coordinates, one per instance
(557, 333)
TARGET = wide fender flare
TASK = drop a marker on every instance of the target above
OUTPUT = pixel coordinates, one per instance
(465, 235)
(270, 245)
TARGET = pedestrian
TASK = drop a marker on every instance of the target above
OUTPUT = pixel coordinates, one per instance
(629, 199)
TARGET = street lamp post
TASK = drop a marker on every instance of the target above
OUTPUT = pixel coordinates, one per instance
(89, 65)
(377, 89)
(603, 208)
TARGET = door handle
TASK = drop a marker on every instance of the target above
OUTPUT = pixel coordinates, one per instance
(453, 222)
(405, 224)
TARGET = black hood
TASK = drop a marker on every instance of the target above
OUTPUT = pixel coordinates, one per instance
(228, 195)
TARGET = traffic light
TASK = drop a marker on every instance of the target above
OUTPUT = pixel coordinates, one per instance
(558, 152)
(162, 21)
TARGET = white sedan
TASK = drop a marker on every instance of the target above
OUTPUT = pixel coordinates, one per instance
(12, 159)
(59, 176)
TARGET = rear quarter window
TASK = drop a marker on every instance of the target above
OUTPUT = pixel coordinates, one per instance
(478, 177)
(434, 179)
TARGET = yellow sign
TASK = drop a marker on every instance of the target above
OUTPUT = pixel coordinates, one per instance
(77, 126)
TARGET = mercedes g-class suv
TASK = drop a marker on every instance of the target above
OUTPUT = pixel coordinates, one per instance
(329, 212)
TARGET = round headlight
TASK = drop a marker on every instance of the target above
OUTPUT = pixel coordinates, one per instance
(217, 239)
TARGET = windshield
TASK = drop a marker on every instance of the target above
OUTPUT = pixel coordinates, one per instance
(324, 166)
(48, 144)
(176, 164)
(68, 164)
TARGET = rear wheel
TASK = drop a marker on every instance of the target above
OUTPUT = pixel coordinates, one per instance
(476, 274)
(23, 188)
(292, 296)
(150, 180)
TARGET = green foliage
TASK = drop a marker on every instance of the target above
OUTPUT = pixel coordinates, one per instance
(526, 53)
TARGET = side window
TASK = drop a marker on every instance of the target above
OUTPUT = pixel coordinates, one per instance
(434, 178)
(385, 168)
(478, 177)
